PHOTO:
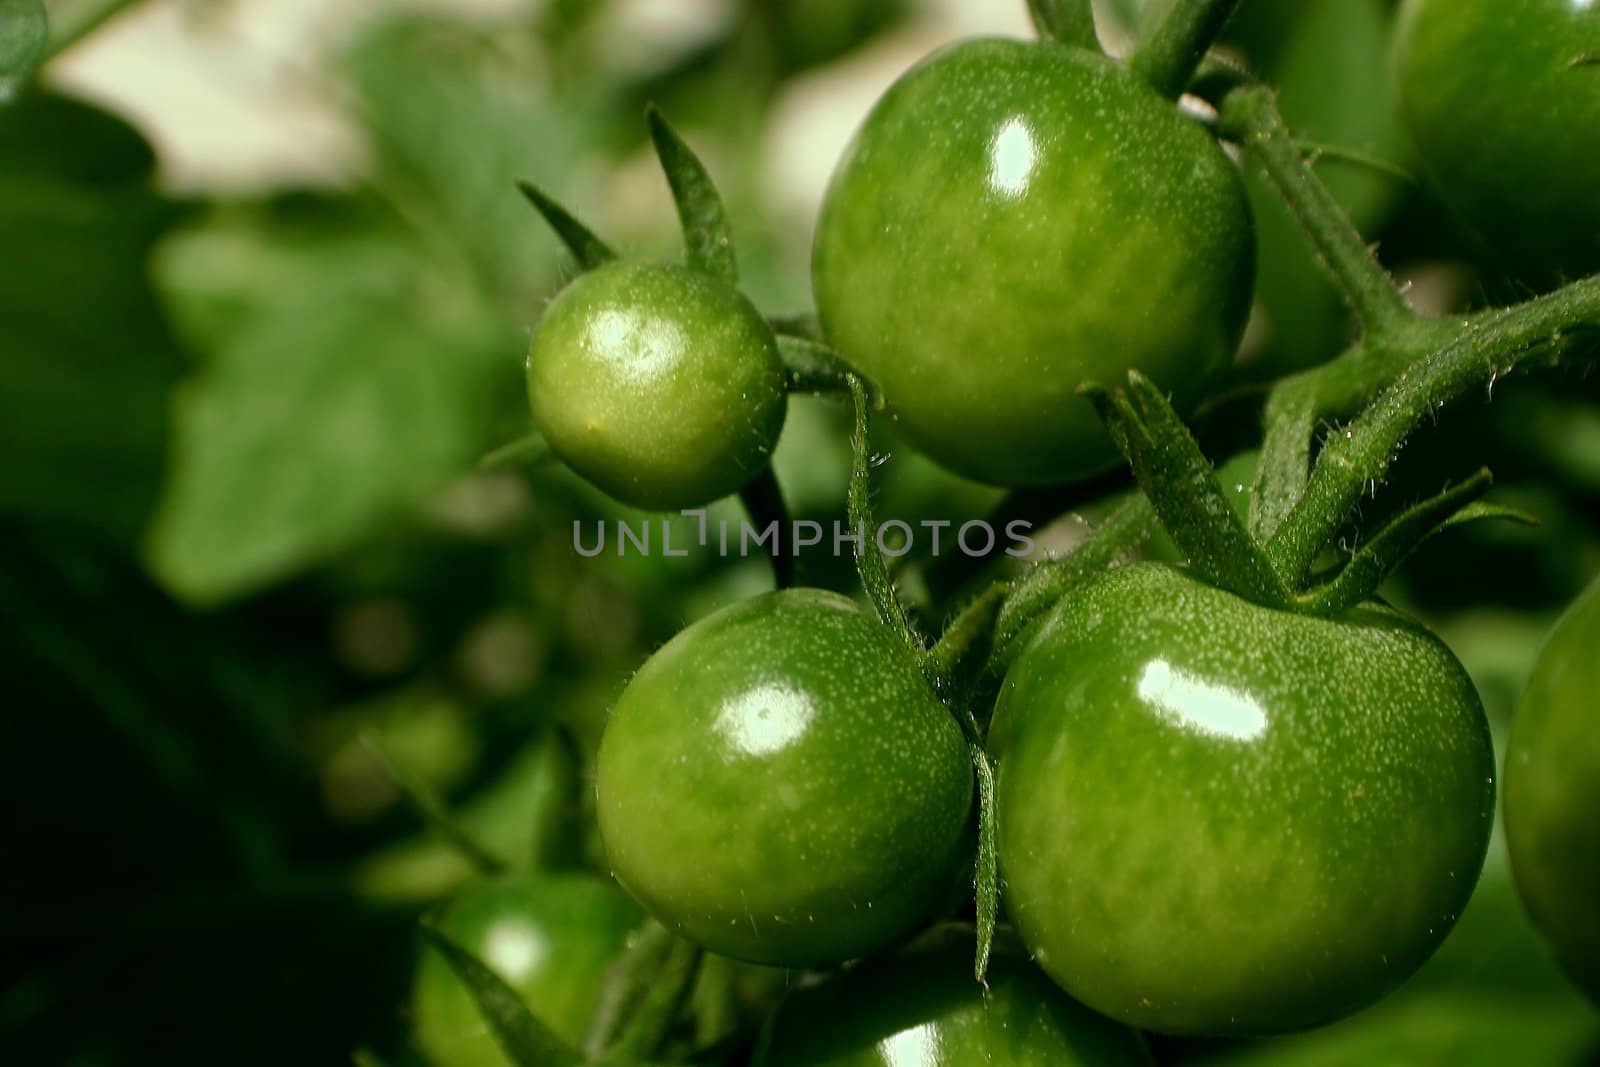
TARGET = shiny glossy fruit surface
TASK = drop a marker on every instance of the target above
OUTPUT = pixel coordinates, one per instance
(1552, 801)
(1012, 220)
(921, 1007)
(660, 385)
(1502, 98)
(779, 784)
(551, 937)
(1220, 818)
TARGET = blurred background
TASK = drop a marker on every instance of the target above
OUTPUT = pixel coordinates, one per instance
(265, 289)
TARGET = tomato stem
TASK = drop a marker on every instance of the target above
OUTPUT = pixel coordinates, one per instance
(763, 501)
(964, 646)
(1337, 390)
(664, 999)
(811, 366)
(1048, 582)
(1484, 348)
(1174, 51)
(1249, 115)
(435, 812)
(529, 450)
(1070, 22)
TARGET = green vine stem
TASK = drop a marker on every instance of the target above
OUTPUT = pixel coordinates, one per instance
(1035, 507)
(1048, 582)
(811, 366)
(1487, 347)
(961, 651)
(652, 1018)
(762, 498)
(1070, 22)
(529, 450)
(1249, 115)
(434, 812)
(1174, 51)
(1297, 406)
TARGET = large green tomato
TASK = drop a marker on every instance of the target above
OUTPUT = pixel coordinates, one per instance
(1553, 793)
(551, 937)
(1503, 100)
(1216, 817)
(921, 1007)
(1015, 219)
(659, 384)
(779, 784)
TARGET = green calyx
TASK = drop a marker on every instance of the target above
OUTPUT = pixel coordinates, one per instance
(1187, 498)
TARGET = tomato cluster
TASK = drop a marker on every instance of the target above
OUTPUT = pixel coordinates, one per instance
(1229, 798)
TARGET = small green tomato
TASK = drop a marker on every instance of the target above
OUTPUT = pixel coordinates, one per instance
(550, 936)
(779, 784)
(660, 385)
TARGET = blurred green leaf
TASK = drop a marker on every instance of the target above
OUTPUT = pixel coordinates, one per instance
(1436, 1031)
(86, 359)
(344, 379)
(24, 32)
(456, 112)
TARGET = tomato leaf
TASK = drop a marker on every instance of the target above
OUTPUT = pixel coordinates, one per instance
(706, 236)
(1401, 536)
(870, 565)
(1068, 21)
(586, 248)
(24, 36)
(88, 360)
(345, 377)
(525, 1040)
(1183, 489)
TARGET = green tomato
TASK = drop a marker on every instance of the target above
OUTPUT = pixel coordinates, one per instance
(659, 384)
(1216, 817)
(551, 937)
(779, 784)
(1553, 793)
(1015, 219)
(922, 1006)
(1503, 100)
